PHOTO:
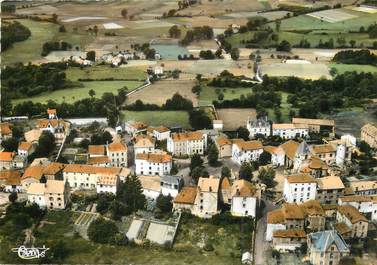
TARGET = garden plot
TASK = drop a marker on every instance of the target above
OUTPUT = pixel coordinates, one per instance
(160, 233)
(83, 221)
(112, 25)
(307, 71)
(146, 24)
(234, 118)
(365, 9)
(74, 19)
(332, 15)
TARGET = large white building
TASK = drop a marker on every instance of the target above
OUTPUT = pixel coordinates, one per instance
(246, 151)
(160, 133)
(261, 126)
(108, 184)
(117, 152)
(299, 188)
(290, 130)
(153, 164)
(171, 185)
(365, 204)
(207, 197)
(244, 199)
(187, 143)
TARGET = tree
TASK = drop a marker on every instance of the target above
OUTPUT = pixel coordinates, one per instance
(95, 29)
(54, 18)
(59, 251)
(199, 120)
(131, 194)
(102, 204)
(174, 169)
(264, 158)
(284, 46)
(243, 133)
(225, 172)
(124, 12)
(213, 155)
(277, 25)
(235, 54)
(102, 231)
(174, 32)
(164, 203)
(46, 144)
(62, 28)
(91, 56)
(92, 93)
(196, 89)
(10, 144)
(246, 171)
(13, 197)
(218, 53)
(196, 161)
(267, 177)
(198, 172)
(352, 43)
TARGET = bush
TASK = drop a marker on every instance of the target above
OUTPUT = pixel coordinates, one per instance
(102, 231)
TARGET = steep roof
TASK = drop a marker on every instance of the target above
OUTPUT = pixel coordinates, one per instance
(324, 239)
(275, 217)
(243, 188)
(96, 149)
(330, 183)
(117, 147)
(33, 135)
(292, 211)
(154, 157)
(143, 141)
(221, 141)
(249, 145)
(317, 163)
(7, 156)
(342, 228)
(210, 184)
(352, 213)
(51, 111)
(321, 122)
(273, 149)
(301, 178)
(186, 196)
(43, 123)
(25, 145)
(312, 208)
(187, 136)
(53, 168)
(35, 172)
(290, 148)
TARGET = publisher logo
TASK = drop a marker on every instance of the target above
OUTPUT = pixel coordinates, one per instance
(30, 253)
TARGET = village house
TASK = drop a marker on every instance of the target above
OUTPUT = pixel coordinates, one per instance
(10, 181)
(326, 152)
(290, 130)
(58, 128)
(32, 174)
(244, 201)
(160, 133)
(345, 146)
(369, 134)
(171, 185)
(290, 216)
(356, 221)
(261, 126)
(225, 192)
(87, 176)
(6, 160)
(326, 248)
(96, 150)
(33, 135)
(117, 152)
(108, 184)
(364, 187)
(297, 155)
(25, 148)
(52, 114)
(133, 128)
(218, 125)
(143, 144)
(224, 146)
(246, 151)
(99, 161)
(299, 188)
(54, 171)
(150, 164)
(317, 125)
(54, 194)
(329, 189)
(5, 131)
(277, 155)
(151, 186)
(207, 197)
(187, 143)
(185, 199)
(288, 240)
(315, 216)
(316, 168)
(364, 204)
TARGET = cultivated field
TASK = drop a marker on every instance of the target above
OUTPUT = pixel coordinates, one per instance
(73, 94)
(156, 118)
(342, 68)
(160, 91)
(234, 118)
(307, 71)
(332, 15)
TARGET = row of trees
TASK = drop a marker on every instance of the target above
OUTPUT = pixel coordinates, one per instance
(12, 32)
(197, 34)
(177, 102)
(55, 46)
(356, 57)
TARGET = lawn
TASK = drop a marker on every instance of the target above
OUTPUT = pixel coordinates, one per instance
(155, 118)
(210, 94)
(73, 94)
(105, 71)
(30, 49)
(342, 68)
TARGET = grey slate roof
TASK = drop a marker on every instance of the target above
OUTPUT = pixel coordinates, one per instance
(324, 239)
(175, 180)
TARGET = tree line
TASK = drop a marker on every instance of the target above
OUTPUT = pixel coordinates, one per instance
(356, 57)
(13, 32)
(177, 102)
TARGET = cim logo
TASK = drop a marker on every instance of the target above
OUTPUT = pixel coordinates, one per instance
(30, 253)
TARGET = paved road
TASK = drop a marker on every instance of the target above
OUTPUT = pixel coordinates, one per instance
(260, 244)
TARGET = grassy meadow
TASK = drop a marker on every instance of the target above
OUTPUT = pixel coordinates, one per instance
(155, 118)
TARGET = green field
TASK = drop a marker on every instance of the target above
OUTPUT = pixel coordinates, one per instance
(160, 117)
(342, 68)
(73, 94)
(209, 94)
(105, 71)
(30, 49)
